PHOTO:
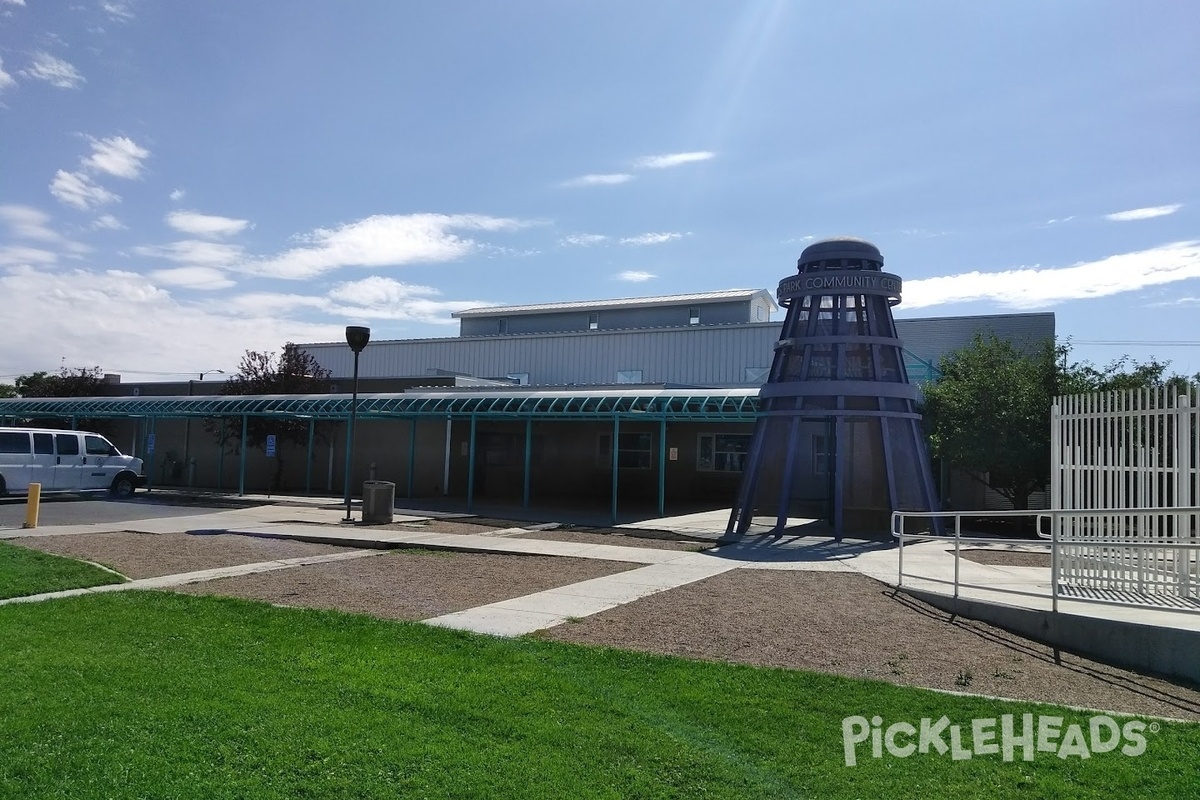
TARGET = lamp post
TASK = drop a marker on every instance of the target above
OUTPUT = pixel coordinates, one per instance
(187, 428)
(357, 337)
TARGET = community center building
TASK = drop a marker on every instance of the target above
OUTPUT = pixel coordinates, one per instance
(633, 406)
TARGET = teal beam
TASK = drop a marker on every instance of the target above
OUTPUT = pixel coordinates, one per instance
(616, 456)
(662, 467)
(471, 466)
(412, 455)
(312, 430)
(242, 467)
(150, 466)
(528, 459)
(221, 461)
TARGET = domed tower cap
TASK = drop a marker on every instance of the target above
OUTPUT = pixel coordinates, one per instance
(840, 247)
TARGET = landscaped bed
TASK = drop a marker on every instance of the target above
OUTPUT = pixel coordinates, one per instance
(411, 584)
(149, 555)
(851, 625)
(156, 694)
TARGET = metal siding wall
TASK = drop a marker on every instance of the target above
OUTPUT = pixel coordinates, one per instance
(695, 355)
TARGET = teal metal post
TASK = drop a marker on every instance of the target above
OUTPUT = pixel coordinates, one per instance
(471, 466)
(242, 467)
(412, 454)
(528, 458)
(616, 454)
(150, 464)
(221, 461)
(312, 426)
(662, 467)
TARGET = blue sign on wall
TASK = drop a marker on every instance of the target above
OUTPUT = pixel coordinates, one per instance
(270, 445)
(150, 443)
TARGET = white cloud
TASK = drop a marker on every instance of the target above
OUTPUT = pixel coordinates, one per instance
(194, 253)
(385, 298)
(107, 222)
(651, 238)
(203, 278)
(120, 10)
(78, 190)
(583, 239)
(1035, 287)
(54, 71)
(6, 81)
(15, 2)
(380, 241)
(635, 276)
(672, 159)
(116, 155)
(102, 317)
(26, 222)
(20, 255)
(198, 224)
(1144, 213)
(177, 195)
(599, 180)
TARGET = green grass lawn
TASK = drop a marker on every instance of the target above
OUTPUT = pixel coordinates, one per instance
(144, 694)
(24, 572)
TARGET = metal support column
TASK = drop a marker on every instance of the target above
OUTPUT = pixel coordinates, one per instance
(615, 457)
(150, 424)
(242, 465)
(528, 460)
(662, 467)
(471, 466)
(412, 455)
(221, 460)
(308, 459)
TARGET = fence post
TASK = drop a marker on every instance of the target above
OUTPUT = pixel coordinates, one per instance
(957, 546)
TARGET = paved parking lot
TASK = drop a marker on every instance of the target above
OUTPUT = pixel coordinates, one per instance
(84, 509)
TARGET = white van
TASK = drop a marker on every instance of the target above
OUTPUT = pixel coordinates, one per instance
(65, 461)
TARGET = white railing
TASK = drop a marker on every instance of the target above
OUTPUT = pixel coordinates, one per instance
(1111, 570)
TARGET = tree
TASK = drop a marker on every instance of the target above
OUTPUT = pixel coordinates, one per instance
(78, 382)
(989, 414)
(8, 390)
(295, 372)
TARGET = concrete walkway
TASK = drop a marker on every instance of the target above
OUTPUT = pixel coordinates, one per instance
(1020, 587)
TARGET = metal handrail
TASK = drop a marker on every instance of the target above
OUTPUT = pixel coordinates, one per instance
(1055, 541)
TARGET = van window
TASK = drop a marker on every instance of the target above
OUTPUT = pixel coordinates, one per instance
(95, 446)
(12, 442)
(43, 444)
(68, 444)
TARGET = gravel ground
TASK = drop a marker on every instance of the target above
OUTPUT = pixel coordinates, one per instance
(1006, 558)
(479, 525)
(851, 625)
(411, 584)
(149, 555)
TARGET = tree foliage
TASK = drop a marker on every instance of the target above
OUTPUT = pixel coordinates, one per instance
(293, 372)
(78, 382)
(8, 390)
(989, 414)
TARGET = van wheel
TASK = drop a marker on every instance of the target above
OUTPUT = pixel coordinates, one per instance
(122, 486)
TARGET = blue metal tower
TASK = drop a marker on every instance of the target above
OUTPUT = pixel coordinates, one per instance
(839, 437)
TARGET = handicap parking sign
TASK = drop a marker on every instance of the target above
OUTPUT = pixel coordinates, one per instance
(270, 445)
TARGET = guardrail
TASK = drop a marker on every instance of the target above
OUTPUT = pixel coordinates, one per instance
(1173, 564)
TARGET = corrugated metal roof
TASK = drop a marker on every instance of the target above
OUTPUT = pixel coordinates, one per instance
(724, 295)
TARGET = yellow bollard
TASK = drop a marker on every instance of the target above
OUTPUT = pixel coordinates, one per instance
(33, 506)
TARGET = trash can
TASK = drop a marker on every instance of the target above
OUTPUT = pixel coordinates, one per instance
(379, 501)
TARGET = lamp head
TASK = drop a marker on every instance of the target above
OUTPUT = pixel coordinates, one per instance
(357, 337)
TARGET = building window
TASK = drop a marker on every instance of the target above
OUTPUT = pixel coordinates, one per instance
(635, 451)
(520, 378)
(694, 315)
(629, 376)
(820, 455)
(722, 452)
(757, 375)
(502, 325)
(593, 322)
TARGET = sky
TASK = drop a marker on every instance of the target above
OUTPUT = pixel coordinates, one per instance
(182, 182)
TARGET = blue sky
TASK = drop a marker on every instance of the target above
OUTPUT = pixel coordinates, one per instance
(182, 181)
